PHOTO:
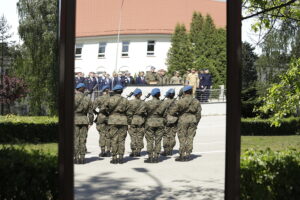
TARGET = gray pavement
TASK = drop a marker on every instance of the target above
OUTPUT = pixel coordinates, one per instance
(201, 178)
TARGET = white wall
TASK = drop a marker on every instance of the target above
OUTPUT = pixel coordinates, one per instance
(136, 61)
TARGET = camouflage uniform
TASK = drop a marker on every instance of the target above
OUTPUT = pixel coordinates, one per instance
(137, 127)
(188, 109)
(170, 129)
(101, 124)
(118, 120)
(82, 118)
(176, 80)
(163, 80)
(151, 77)
(154, 127)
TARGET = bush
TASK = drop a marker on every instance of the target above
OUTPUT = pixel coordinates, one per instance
(14, 129)
(28, 175)
(254, 126)
(269, 175)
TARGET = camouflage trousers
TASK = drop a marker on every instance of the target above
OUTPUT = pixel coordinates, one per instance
(80, 135)
(104, 141)
(186, 134)
(169, 137)
(153, 137)
(117, 135)
(136, 136)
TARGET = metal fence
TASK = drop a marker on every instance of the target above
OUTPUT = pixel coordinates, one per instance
(204, 96)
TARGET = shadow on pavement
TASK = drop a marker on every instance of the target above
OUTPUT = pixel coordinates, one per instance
(128, 158)
(103, 186)
(92, 159)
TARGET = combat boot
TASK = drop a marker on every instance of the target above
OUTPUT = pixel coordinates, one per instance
(187, 157)
(170, 152)
(103, 153)
(132, 154)
(149, 160)
(138, 154)
(180, 158)
(81, 160)
(108, 154)
(114, 160)
(155, 159)
(121, 159)
(164, 153)
(76, 161)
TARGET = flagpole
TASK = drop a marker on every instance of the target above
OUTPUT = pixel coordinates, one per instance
(118, 38)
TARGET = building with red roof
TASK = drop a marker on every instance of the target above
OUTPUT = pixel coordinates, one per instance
(129, 35)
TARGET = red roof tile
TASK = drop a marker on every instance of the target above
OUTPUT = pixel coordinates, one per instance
(101, 17)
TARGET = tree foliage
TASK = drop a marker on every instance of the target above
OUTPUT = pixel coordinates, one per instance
(207, 48)
(37, 61)
(12, 89)
(180, 56)
(268, 13)
(249, 73)
(283, 98)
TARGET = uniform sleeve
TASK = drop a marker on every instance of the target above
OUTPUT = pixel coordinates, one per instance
(90, 113)
(198, 114)
(175, 109)
(129, 111)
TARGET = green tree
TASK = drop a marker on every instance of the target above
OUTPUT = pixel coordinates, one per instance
(5, 35)
(267, 13)
(282, 98)
(196, 33)
(209, 45)
(249, 73)
(180, 56)
(37, 62)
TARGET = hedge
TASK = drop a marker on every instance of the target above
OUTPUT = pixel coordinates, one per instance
(254, 126)
(269, 175)
(14, 129)
(28, 175)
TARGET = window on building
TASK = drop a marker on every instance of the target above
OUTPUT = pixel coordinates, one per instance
(78, 50)
(125, 48)
(150, 48)
(101, 51)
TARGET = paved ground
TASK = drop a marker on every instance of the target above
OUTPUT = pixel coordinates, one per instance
(201, 178)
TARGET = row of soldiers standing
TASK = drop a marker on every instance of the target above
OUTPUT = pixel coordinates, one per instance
(156, 120)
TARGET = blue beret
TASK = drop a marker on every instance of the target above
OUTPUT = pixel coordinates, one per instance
(187, 88)
(137, 91)
(80, 85)
(155, 91)
(170, 91)
(105, 87)
(118, 87)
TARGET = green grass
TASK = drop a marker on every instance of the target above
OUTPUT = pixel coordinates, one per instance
(275, 143)
(51, 148)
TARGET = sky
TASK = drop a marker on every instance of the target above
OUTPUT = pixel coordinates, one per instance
(9, 10)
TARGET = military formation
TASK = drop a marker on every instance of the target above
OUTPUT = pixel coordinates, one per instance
(157, 120)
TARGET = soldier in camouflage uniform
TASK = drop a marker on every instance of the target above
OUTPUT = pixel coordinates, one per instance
(118, 121)
(101, 122)
(151, 76)
(137, 129)
(154, 126)
(163, 79)
(171, 126)
(83, 118)
(188, 109)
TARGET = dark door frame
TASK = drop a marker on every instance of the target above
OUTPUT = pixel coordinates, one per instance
(67, 13)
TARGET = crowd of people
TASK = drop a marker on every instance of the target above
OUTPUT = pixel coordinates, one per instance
(159, 121)
(201, 79)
